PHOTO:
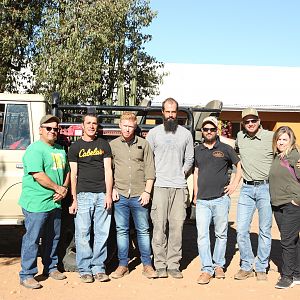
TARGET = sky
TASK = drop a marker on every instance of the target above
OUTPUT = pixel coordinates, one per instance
(230, 32)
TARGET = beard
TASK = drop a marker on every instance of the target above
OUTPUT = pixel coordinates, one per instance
(210, 140)
(170, 125)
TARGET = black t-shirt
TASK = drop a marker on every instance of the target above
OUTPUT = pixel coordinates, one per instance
(90, 164)
(213, 165)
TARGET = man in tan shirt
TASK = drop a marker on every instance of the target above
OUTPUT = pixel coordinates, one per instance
(133, 180)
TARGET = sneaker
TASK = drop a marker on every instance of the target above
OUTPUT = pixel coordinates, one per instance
(261, 276)
(204, 278)
(241, 274)
(87, 278)
(284, 282)
(175, 273)
(219, 273)
(296, 280)
(149, 272)
(57, 275)
(162, 273)
(31, 283)
(120, 272)
(102, 277)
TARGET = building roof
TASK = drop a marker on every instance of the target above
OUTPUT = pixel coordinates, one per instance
(266, 88)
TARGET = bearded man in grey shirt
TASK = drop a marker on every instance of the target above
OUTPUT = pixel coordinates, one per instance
(173, 150)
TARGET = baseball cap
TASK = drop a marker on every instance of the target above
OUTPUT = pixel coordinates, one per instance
(249, 111)
(212, 120)
(47, 118)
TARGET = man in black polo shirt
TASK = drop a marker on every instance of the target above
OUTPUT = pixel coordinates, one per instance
(212, 188)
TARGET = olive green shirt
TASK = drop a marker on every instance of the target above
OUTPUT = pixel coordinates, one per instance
(256, 154)
(133, 165)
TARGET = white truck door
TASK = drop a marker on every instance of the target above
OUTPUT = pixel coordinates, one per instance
(15, 137)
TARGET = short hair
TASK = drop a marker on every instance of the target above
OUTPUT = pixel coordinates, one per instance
(128, 115)
(171, 100)
(278, 133)
(90, 115)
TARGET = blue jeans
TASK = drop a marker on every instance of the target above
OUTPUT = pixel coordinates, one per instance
(206, 211)
(91, 212)
(140, 215)
(252, 197)
(45, 225)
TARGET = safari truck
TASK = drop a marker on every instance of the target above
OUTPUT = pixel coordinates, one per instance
(19, 126)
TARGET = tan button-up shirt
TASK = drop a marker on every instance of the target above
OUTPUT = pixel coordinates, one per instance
(133, 165)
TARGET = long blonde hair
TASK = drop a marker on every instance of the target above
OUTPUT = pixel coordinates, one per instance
(292, 144)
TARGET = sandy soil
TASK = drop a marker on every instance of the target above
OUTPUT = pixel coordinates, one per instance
(136, 286)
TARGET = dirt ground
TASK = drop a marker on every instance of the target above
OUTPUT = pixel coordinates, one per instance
(136, 286)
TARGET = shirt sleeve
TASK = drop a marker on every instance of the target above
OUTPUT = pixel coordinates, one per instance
(149, 162)
(189, 153)
(232, 155)
(107, 149)
(150, 139)
(33, 160)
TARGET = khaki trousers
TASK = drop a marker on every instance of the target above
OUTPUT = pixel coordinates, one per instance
(168, 213)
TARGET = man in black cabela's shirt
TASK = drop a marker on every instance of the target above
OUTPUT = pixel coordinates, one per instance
(91, 187)
(212, 188)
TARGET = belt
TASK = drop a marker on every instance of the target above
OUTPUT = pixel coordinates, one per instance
(256, 182)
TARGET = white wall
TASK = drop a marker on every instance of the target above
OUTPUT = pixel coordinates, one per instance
(235, 86)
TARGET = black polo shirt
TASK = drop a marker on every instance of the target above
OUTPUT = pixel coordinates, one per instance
(213, 165)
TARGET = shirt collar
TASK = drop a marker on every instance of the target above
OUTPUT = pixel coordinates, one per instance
(258, 134)
(134, 141)
(203, 147)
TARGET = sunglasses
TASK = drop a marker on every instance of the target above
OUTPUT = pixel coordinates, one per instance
(48, 128)
(209, 129)
(254, 121)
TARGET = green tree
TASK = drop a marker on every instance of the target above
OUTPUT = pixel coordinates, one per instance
(92, 51)
(18, 20)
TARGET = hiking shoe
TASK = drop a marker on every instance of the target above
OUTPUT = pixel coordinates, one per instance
(102, 277)
(162, 273)
(261, 276)
(149, 272)
(31, 283)
(87, 278)
(120, 272)
(204, 278)
(284, 282)
(219, 273)
(175, 273)
(241, 274)
(57, 275)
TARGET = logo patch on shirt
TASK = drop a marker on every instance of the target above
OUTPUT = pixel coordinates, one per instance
(218, 154)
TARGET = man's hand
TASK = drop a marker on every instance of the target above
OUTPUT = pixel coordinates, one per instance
(108, 202)
(61, 190)
(57, 197)
(73, 208)
(115, 195)
(230, 188)
(144, 198)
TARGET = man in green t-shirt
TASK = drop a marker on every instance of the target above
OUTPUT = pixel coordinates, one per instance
(45, 184)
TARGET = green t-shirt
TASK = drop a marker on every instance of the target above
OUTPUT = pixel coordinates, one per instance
(40, 157)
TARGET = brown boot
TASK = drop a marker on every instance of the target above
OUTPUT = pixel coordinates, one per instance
(149, 272)
(242, 275)
(204, 278)
(120, 272)
(31, 283)
(219, 273)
